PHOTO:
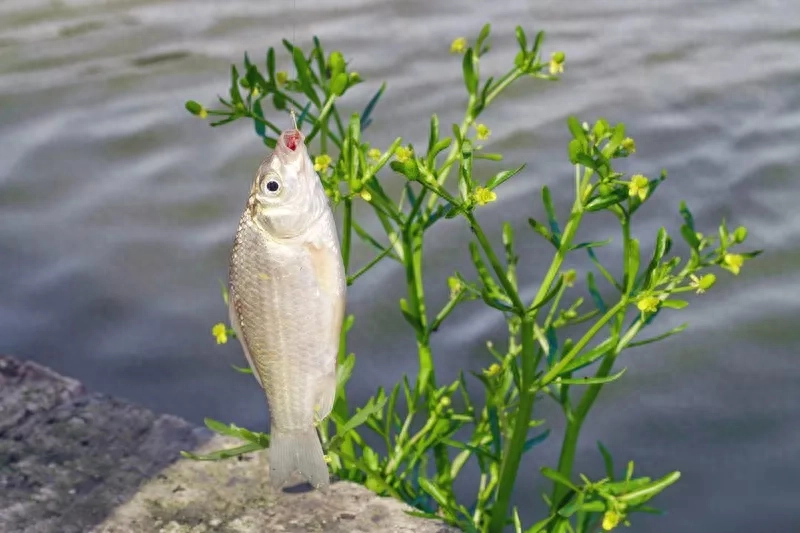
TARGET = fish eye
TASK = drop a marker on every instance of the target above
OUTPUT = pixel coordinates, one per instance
(271, 185)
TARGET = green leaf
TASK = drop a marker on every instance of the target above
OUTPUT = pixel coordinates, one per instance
(218, 427)
(508, 243)
(598, 300)
(304, 76)
(587, 358)
(242, 369)
(494, 428)
(687, 215)
(372, 408)
(573, 507)
(497, 300)
(440, 145)
(593, 244)
(593, 381)
(236, 96)
(547, 200)
(577, 131)
(608, 461)
(575, 149)
(647, 492)
(407, 168)
(367, 113)
(521, 38)
(470, 77)
(435, 491)
(259, 125)
(433, 134)
(234, 431)
(537, 42)
(482, 36)
(344, 370)
(549, 296)
(674, 304)
(224, 454)
(663, 245)
(606, 200)
(533, 441)
(457, 134)
(542, 230)
(410, 316)
(585, 160)
(271, 64)
(657, 338)
(614, 143)
(501, 177)
(559, 478)
(690, 237)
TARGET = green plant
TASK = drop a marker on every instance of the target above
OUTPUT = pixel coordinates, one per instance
(418, 420)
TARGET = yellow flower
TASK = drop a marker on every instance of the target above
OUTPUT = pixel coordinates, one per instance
(365, 195)
(458, 45)
(629, 145)
(734, 262)
(557, 63)
(704, 283)
(255, 92)
(322, 162)
(374, 154)
(403, 154)
(482, 131)
(355, 77)
(493, 370)
(282, 77)
(648, 304)
(455, 286)
(483, 196)
(611, 519)
(203, 113)
(569, 277)
(638, 186)
(220, 332)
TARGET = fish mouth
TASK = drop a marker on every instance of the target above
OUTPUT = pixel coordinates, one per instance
(289, 144)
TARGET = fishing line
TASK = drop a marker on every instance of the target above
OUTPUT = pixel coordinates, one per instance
(294, 43)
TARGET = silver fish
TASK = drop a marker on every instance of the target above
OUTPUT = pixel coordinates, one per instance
(287, 297)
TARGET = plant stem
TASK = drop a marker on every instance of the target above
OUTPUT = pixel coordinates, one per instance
(347, 233)
(557, 368)
(470, 117)
(513, 455)
(511, 292)
(566, 241)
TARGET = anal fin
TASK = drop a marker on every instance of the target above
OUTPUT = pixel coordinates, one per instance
(325, 396)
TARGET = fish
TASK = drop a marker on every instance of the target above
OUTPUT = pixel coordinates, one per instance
(287, 296)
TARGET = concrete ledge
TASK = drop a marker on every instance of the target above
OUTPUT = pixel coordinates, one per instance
(74, 462)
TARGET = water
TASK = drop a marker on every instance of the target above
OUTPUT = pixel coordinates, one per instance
(117, 209)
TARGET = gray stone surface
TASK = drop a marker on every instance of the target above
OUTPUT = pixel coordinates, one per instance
(71, 461)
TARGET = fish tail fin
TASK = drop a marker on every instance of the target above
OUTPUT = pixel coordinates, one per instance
(297, 451)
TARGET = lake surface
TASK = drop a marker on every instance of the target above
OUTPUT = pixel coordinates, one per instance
(117, 210)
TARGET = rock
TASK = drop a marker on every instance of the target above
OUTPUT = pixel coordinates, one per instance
(74, 462)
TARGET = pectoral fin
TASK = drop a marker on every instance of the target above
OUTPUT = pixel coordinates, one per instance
(329, 273)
